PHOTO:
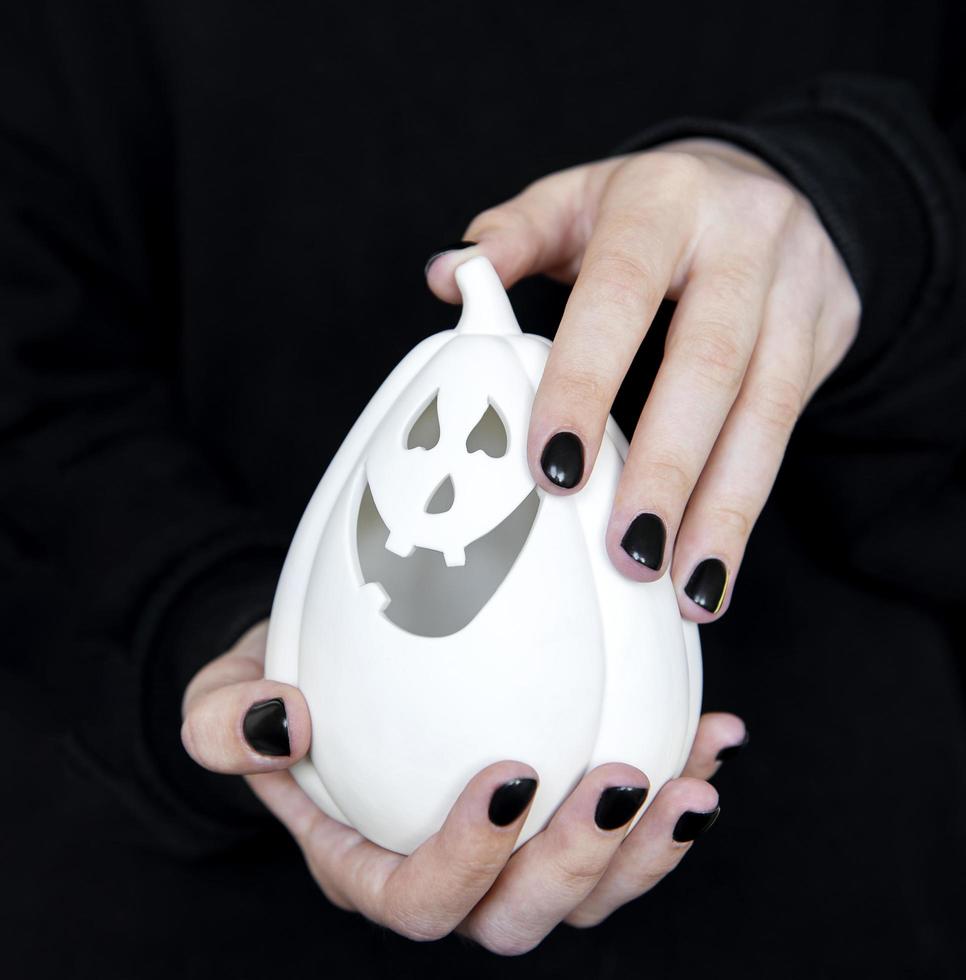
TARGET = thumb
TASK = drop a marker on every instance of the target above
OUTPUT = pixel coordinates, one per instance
(539, 230)
(236, 721)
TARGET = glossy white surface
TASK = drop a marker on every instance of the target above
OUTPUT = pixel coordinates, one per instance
(565, 666)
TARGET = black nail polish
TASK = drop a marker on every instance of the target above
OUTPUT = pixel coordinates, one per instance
(510, 800)
(707, 584)
(454, 247)
(644, 540)
(617, 805)
(563, 460)
(730, 751)
(691, 826)
(266, 728)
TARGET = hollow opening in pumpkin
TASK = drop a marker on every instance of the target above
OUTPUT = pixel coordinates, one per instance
(442, 498)
(425, 596)
(488, 435)
(423, 432)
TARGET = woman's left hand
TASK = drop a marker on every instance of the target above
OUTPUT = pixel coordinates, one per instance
(765, 311)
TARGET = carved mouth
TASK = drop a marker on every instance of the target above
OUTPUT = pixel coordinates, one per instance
(426, 597)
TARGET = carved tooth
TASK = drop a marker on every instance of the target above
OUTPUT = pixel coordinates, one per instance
(454, 557)
(399, 546)
(376, 596)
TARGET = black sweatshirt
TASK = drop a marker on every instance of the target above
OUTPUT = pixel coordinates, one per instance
(213, 221)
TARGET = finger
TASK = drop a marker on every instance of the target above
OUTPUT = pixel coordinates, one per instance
(235, 721)
(710, 343)
(423, 896)
(536, 231)
(739, 473)
(426, 895)
(317, 834)
(434, 889)
(247, 727)
(627, 269)
(560, 866)
(681, 811)
(720, 736)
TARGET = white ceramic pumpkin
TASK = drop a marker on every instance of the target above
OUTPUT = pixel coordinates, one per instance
(441, 613)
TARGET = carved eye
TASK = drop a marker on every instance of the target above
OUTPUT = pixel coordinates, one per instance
(424, 432)
(489, 434)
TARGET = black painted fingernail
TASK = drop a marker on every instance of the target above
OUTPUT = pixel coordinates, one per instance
(644, 540)
(730, 751)
(510, 800)
(617, 805)
(563, 460)
(707, 584)
(691, 825)
(454, 247)
(266, 728)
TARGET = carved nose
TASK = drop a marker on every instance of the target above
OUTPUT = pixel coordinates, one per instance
(442, 498)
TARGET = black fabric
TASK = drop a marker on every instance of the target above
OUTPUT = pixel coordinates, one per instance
(213, 220)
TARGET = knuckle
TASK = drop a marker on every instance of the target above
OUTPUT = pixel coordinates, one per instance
(672, 472)
(777, 403)
(577, 872)
(653, 875)
(491, 218)
(478, 867)
(811, 246)
(774, 202)
(620, 281)
(188, 736)
(583, 388)
(580, 919)
(730, 282)
(848, 309)
(851, 308)
(333, 893)
(675, 168)
(575, 865)
(716, 355)
(414, 924)
(736, 518)
(836, 332)
(509, 215)
(503, 940)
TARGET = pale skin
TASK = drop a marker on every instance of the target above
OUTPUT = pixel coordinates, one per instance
(765, 311)
(463, 879)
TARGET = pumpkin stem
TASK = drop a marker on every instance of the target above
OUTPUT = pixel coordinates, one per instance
(486, 306)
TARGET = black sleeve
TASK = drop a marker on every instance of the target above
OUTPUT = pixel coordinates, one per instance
(879, 450)
(130, 556)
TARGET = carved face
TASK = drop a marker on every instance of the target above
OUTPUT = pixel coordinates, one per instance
(450, 500)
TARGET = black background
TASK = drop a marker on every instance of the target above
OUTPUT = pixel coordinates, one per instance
(218, 218)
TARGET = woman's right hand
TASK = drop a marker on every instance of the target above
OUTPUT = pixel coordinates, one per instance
(464, 878)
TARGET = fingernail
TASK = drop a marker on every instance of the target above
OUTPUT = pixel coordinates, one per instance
(730, 751)
(644, 540)
(510, 800)
(691, 825)
(617, 805)
(563, 460)
(707, 584)
(266, 728)
(454, 247)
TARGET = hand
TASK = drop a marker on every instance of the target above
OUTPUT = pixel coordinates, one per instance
(463, 878)
(765, 311)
